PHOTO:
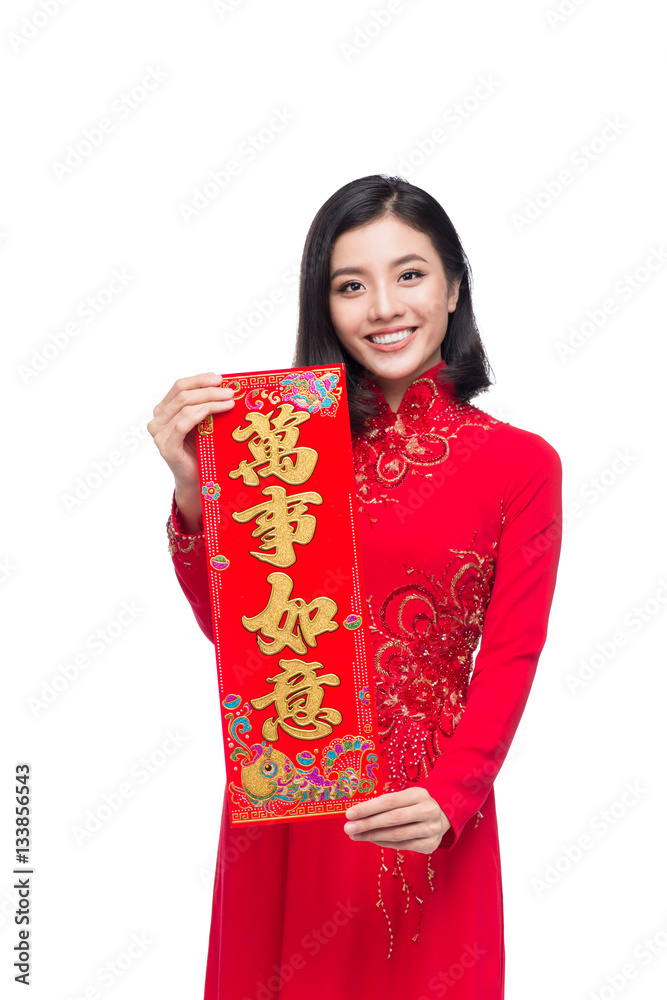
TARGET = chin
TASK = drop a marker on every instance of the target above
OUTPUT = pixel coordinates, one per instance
(398, 368)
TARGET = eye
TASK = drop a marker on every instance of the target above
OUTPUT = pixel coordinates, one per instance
(269, 768)
(409, 275)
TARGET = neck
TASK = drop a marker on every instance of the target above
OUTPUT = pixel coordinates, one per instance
(394, 389)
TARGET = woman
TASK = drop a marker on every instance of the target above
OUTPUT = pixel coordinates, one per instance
(459, 525)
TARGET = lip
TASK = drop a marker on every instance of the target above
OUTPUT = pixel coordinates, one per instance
(390, 348)
(387, 329)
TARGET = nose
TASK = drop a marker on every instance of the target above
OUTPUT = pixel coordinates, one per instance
(385, 303)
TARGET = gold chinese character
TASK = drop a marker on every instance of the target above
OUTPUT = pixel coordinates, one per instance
(272, 443)
(281, 522)
(297, 696)
(299, 621)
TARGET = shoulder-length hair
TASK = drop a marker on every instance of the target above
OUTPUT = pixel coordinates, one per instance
(359, 202)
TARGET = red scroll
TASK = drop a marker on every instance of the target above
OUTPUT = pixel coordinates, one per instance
(287, 597)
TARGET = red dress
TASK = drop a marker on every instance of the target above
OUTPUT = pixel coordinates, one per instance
(460, 531)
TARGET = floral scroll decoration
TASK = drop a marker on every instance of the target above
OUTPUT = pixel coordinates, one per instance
(315, 393)
(249, 397)
(427, 633)
(271, 781)
(414, 441)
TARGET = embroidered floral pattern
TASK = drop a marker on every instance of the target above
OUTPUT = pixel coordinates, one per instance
(412, 441)
(211, 491)
(425, 634)
(309, 392)
(179, 543)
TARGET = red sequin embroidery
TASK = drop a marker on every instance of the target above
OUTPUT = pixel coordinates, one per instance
(424, 641)
(415, 439)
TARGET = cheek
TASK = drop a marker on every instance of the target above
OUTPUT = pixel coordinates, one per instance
(434, 307)
(345, 320)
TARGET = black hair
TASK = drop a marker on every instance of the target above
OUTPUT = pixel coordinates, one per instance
(359, 202)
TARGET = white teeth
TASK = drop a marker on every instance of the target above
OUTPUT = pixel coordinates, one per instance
(393, 338)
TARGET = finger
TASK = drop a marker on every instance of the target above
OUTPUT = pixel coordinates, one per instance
(169, 437)
(421, 845)
(390, 800)
(184, 419)
(203, 379)
(394, 817)
(173, 402)
(394, 835)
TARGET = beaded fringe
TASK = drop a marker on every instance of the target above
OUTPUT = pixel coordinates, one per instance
(398, 872)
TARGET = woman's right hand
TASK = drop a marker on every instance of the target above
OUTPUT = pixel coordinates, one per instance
(172, 428)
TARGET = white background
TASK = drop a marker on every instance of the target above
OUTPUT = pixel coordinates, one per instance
(362, 100)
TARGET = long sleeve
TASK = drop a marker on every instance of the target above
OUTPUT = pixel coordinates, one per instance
(513, 635)
(188, 553)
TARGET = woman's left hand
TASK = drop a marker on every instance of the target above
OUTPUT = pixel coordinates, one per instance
(410, 820)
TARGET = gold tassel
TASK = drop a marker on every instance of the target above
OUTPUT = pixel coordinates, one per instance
(430, 873)
(398, 872)
(380, 902)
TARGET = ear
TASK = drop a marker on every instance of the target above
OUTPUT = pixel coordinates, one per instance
(453, 295)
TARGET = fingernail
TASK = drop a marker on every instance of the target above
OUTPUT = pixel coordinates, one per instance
(351, 813)
(350, 828)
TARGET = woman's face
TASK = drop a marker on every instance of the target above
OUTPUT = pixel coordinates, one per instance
(389, 298)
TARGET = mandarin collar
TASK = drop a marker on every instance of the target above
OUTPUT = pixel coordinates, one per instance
(412, 393)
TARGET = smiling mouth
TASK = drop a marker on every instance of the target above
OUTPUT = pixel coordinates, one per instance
(392, 338)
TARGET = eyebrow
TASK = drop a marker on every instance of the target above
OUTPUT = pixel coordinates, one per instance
(395, 263)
